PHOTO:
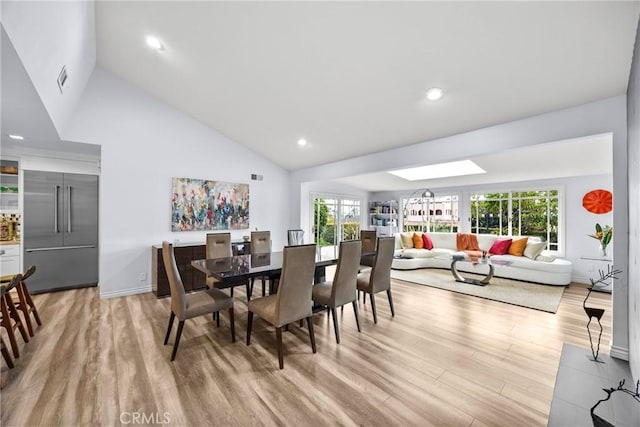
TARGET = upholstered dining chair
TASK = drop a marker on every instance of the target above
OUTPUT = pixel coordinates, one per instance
(368, 238)
(260, 244)
(292, 300)
(219, 246)
(295, 237)
(378, 279)
(186, 306)
(9, 317)
(342, 290)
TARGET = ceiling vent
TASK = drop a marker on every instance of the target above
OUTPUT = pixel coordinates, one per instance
(62, 77)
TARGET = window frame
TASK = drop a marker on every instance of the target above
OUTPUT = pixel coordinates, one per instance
(561, 209)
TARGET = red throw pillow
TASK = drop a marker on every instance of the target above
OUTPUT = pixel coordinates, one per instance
(426, 241)
(500, 246)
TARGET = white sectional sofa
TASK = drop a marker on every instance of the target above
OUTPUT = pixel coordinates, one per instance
(545, 268)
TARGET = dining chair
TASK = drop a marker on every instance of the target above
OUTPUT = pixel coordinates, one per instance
(219, 246)
(9, 317)
(24, 302)
(186, 306)
(292, 300)
(342, 290)
(368, 238)
(378, 279)
(260, 244)
(295, 237)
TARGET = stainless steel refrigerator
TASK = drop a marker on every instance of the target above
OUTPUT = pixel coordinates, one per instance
(60, 230)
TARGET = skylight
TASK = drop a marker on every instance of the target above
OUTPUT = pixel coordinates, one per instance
(440, 170)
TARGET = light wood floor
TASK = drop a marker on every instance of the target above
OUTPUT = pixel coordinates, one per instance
(444, 359)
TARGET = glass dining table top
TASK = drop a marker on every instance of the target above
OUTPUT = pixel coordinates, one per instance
(252, 265)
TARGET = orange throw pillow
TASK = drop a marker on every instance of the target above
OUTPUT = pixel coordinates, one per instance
(517, 247)
(468, 242)
(417, 241)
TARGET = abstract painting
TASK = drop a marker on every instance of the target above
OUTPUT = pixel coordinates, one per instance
(200, 204)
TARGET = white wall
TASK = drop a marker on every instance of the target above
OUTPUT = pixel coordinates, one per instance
(633, 126)
(608, 115)
(144, 144)
(48, 35)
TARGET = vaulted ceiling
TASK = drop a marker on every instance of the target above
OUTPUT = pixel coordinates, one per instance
(350, 77)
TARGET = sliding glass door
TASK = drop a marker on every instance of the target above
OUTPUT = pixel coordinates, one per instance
(335, 219)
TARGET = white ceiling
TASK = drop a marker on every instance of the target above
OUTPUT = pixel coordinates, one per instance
(350, 76)
(559, 159)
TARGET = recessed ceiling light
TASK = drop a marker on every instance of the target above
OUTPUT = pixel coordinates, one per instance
(154, 42)
(18, 137)
(441, 170)
(302, 142)
(434, 94)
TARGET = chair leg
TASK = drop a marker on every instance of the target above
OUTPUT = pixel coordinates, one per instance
(355, 311)
(27, 296)
(264, 289)
(249, 325)
(6, 323)
(233, 326)
(218, 318)
(231, 292)
(279, 347)
(335, 324)
(248, 286)
(171, 318)
(390, 302)
(22, 306)
(16, 316)
(311, 334)
(5, 354)
(175, 345)
(373, 308)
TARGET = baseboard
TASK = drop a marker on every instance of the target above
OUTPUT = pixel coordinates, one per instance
(125, 292)
(580, 279)
(619, 352)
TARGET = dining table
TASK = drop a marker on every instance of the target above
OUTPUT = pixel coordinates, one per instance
(236, 270)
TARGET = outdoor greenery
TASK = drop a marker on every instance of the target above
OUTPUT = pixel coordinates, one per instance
(324, 227)
(533, 213)
(320, 228)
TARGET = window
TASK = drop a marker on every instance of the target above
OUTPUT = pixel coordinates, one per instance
(335, 219)
(517, 213)
(439, 213)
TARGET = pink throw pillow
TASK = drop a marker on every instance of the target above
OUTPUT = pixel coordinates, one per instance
(426, 241)
(500, 247)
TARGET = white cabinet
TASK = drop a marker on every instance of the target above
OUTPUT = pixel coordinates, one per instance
(383, 217)
(9, 259)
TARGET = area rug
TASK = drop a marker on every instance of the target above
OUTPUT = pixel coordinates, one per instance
(530, 295)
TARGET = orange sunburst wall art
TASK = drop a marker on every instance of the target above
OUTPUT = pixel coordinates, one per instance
(598, 201)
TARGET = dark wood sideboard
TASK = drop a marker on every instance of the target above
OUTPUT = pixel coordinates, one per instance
(192, 279)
